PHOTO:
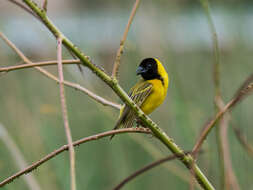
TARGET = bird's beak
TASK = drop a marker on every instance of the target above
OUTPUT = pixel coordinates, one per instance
(140, 70)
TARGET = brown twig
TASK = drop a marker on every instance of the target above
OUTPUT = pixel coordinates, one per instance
(237, 98)
(156, 154)
(51, 76)
(65, 115)
(146, 168)
(122, 42)
(209, 127)
(220, 142)
(20, 54)
(37, 64)
(44, 5)
(241, 138)
(230, 180)
(65, 147)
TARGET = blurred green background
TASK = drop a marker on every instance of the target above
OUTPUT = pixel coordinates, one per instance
(174, 31)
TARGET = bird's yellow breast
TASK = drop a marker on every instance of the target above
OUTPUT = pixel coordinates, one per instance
(157, 96)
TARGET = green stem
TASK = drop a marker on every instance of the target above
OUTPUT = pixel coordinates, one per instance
(113, 83)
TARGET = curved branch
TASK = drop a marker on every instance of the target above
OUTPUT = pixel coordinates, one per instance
(146, 168)
(243, 141)
(51, 76)
(246, 90)
(66, 147)
(37, 64)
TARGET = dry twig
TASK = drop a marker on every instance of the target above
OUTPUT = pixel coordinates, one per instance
(230, 180)
(65, 115)
(66, 147)
(242, 139)
(37, 64)
(44, 5)
(122, 42)
(246, 90)
(51, 76)
(146, 168)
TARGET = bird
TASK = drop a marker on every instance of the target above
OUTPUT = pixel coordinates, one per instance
(148, 93)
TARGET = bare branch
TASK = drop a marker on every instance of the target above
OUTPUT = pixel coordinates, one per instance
(146, 168)
(229, 177)
(51, 76)
(246, 90)
(65, 115)
(20, 54)
(37, 64)
(44, 5)
(242, 139)
(82, 89)
(66, 147)
(122, 42)
(209, 127)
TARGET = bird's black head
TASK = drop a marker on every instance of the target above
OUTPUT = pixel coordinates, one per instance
(148, 69)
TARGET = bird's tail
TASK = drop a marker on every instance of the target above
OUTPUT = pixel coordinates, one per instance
(117, 125)
(125, 121)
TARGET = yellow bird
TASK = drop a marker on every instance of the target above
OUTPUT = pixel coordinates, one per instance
(148, 93)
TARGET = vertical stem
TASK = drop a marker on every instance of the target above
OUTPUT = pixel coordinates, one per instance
(44, 5)
(122, 42)
(65, 115)
(230, 181)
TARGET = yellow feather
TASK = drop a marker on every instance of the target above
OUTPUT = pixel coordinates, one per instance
(159, 91)
(148, 94)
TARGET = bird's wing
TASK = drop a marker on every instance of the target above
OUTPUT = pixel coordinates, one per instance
(138, 94)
